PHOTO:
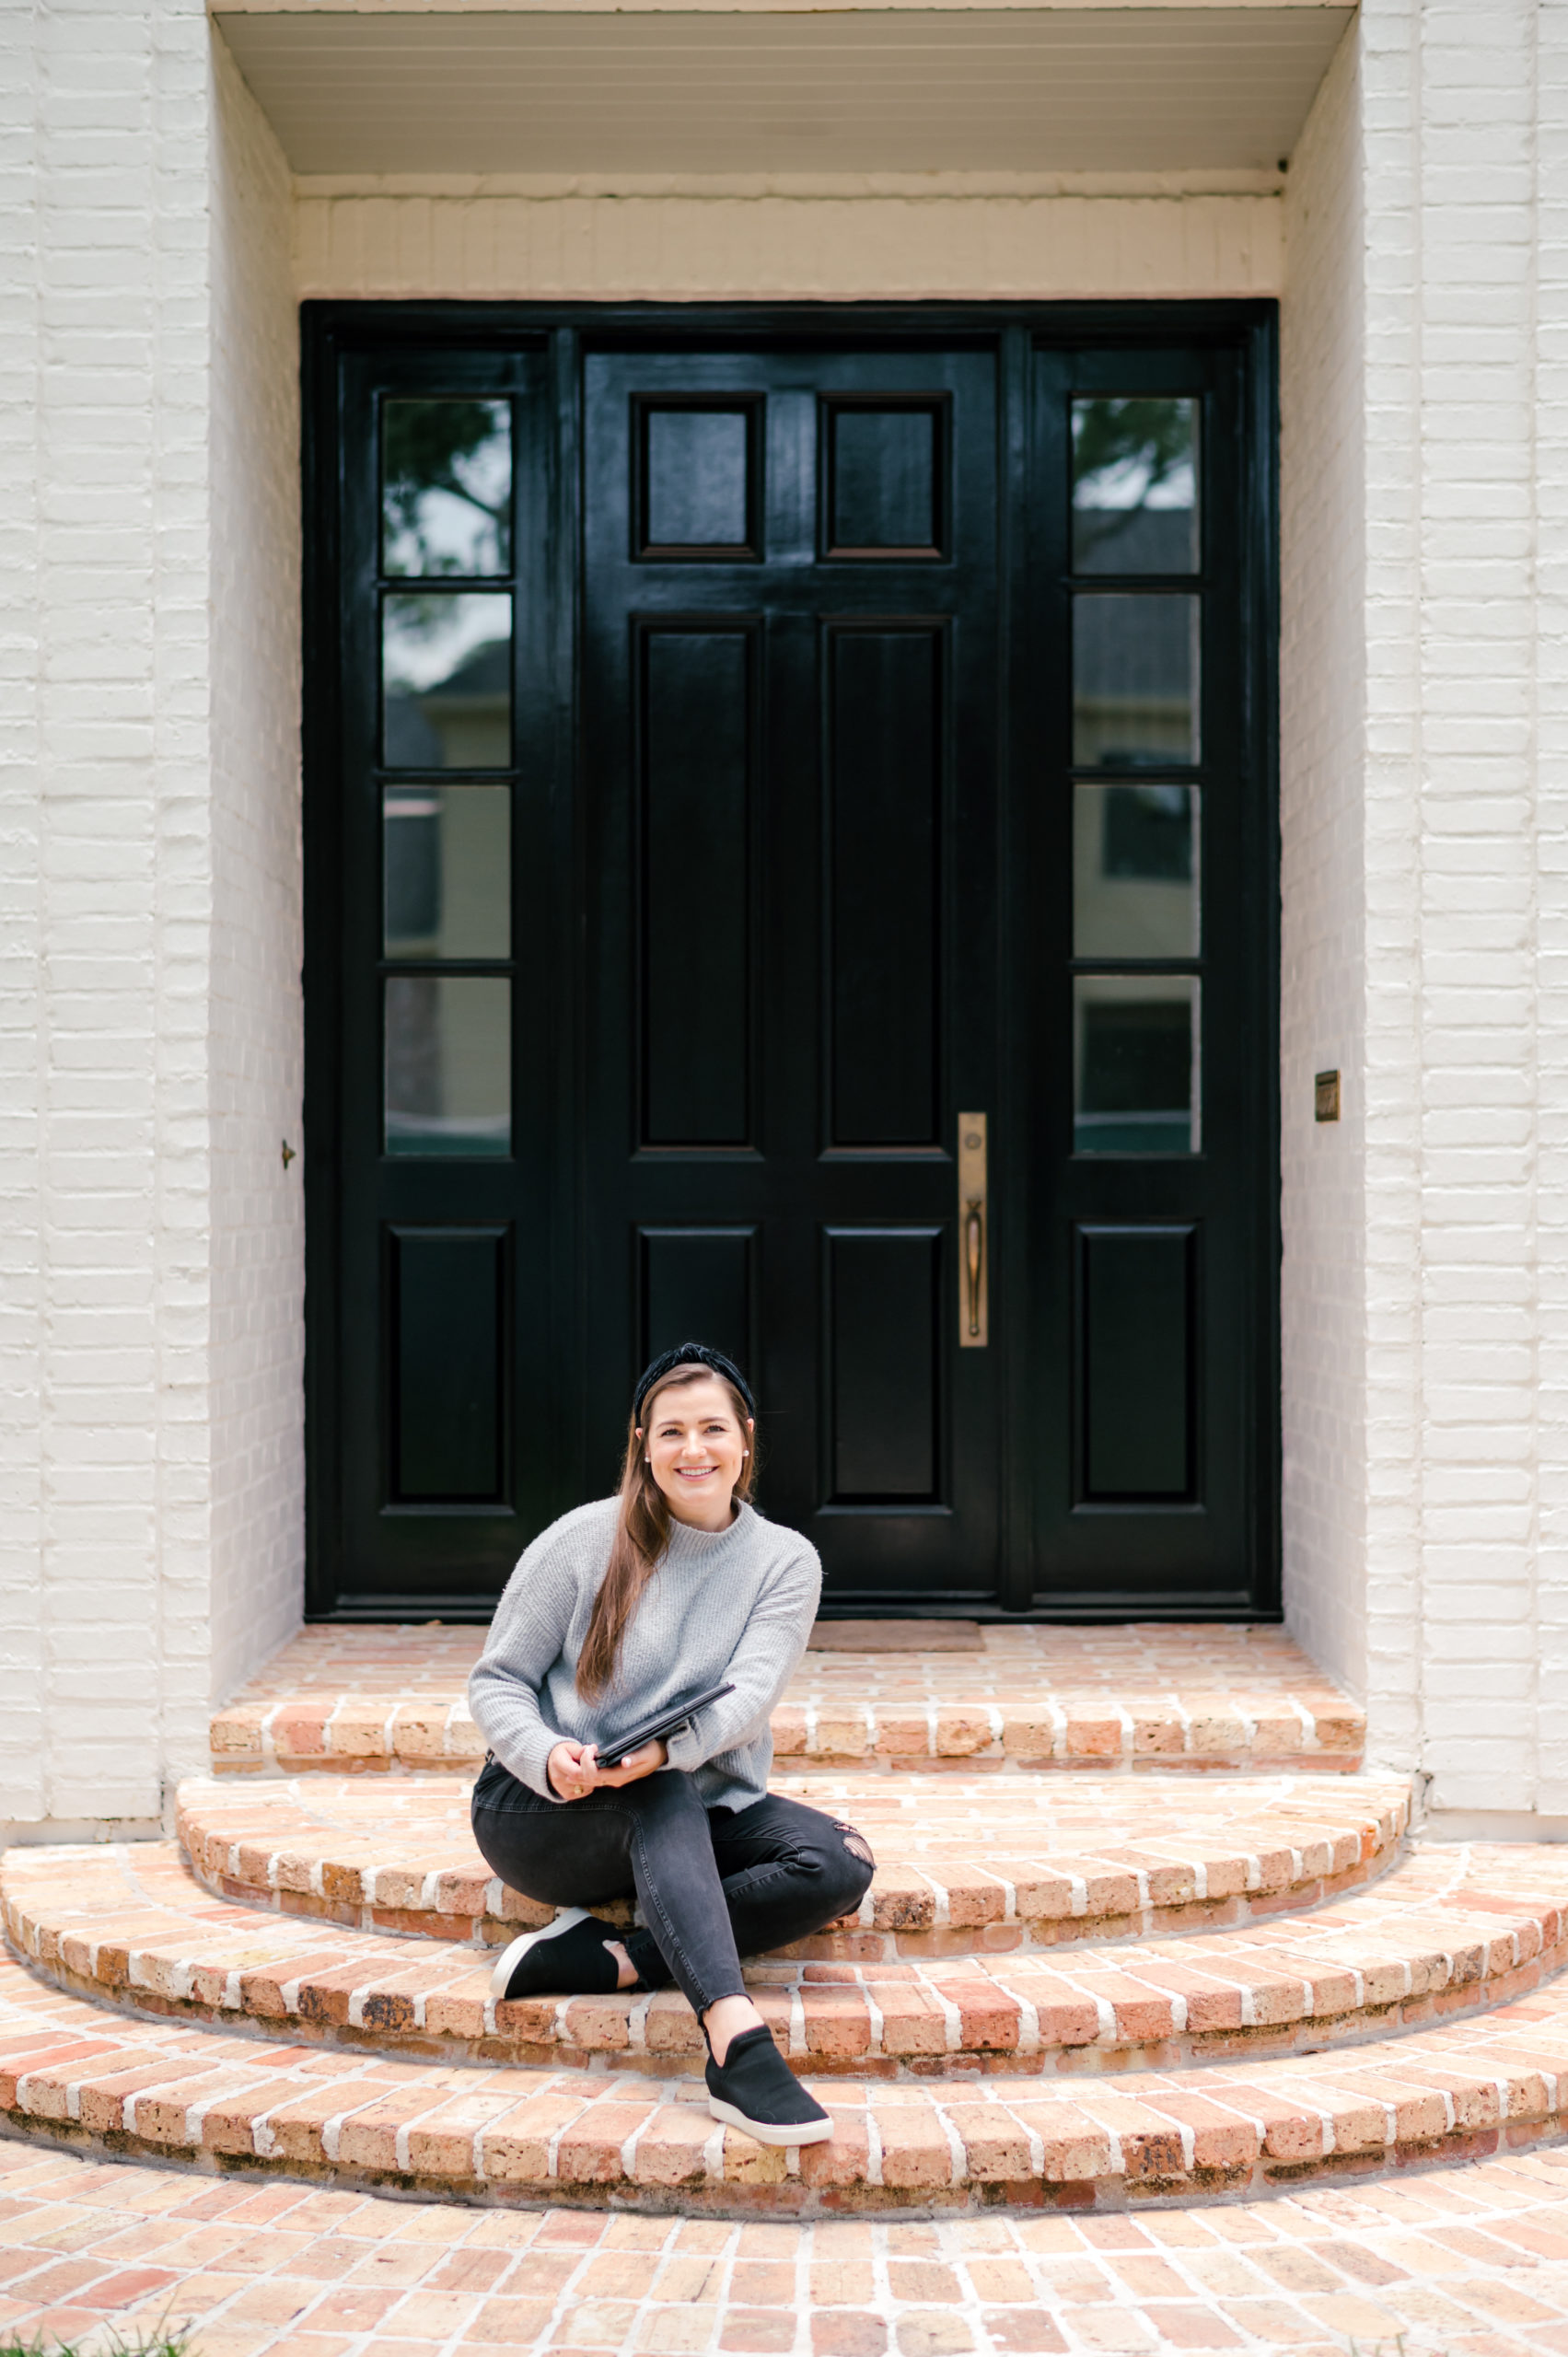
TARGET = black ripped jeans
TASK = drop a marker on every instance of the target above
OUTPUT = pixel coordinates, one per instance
(713, 1884)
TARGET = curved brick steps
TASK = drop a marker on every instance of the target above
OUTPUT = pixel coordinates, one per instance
(1448, 1930)
(1149, 1697)
(962, 1866)
(176, 2092)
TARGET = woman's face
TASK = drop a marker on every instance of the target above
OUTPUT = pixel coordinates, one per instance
(696, 1447)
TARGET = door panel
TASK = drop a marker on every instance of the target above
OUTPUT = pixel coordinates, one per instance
(885, 478)
(449, 1371)
(885, 848)
(1138, 1319)
(736, 745)
(698, 1282)
(693, 885)
(818, 756)
(883, 1355)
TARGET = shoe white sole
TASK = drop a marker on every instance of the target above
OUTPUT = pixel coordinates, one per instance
(809, 2132)
(510, 1957)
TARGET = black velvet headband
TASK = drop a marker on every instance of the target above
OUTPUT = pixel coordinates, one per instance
(691, 1354)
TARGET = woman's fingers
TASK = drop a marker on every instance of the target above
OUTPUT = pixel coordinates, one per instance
(645, 1761)
(571, 1768)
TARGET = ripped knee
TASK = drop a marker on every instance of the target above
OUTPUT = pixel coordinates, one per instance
(856, 1867)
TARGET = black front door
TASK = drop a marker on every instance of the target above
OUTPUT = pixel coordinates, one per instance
(790, 595)
(789, 822)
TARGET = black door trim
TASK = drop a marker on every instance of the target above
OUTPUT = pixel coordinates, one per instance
(332, 331)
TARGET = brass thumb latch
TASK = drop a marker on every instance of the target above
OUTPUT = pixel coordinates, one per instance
(974, 1232)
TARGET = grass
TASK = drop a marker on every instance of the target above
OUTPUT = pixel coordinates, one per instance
(157, 2343)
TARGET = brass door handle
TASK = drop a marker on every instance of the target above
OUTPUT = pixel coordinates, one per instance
(974, 1236)
(974, 1306)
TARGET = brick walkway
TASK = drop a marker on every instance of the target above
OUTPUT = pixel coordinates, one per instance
(1468, 2262)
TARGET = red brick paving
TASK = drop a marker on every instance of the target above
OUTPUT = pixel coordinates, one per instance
(1466, 2262)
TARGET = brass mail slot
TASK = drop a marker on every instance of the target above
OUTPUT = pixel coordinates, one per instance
(974, 1236)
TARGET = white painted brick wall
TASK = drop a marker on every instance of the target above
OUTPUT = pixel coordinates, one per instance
(561, 242)
(1550, 585)
(1322, 737)
(22, 1314)
(1475, 982)
(1451, 939)
(150, 1337)
(255, 1037)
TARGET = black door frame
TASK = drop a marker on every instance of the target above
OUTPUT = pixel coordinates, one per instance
(331, 331)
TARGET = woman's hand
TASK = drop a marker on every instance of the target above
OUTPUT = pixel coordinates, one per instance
(573, 1767)
(645, 1762)
(569, 1769)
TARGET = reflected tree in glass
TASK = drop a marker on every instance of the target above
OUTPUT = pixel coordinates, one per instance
(445, 487)
(1134, 486)
(446, 678)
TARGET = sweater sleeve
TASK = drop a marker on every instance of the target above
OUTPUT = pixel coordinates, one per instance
(527, 1632)
(761, 1666)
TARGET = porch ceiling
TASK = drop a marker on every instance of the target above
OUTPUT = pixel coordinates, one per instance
(1086, 88)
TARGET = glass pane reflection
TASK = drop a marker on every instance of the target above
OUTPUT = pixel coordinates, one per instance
(1134, 871)
(697, 477)
(446, 864)
(447, 679)
(446, 486)
(1134, 680)
(1135, 1063)
(448, 1072)
(1135, 486)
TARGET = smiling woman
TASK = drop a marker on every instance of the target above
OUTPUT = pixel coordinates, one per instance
(639, 1608)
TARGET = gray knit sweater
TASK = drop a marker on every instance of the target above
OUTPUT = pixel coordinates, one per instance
(734, 1604)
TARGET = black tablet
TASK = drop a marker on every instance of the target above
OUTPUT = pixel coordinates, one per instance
(663, 1722)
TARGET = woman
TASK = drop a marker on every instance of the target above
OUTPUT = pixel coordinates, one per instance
(617, 1613)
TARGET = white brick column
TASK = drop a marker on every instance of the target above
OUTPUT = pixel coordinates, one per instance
(1549, 136)
(1482, 1314)
(1458, 1340)
(148, 813)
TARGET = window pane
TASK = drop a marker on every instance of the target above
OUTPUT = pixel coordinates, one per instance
(1135, 682)
(1135, 486)
(1134, 871)
(698, 477)
(1135, 1063)
(446, 486)
(448, 1078)
(446, 678)
(447, 863)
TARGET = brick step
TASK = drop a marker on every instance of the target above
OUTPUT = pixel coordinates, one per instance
(362, 1700)
(963, 1866)
(1449, 1929)
(179, 2093)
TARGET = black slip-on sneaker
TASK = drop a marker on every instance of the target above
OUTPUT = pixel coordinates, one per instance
(755, 2089)
(567, 1958)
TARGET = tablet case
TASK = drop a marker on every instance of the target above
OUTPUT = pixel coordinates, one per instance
(662, 1724)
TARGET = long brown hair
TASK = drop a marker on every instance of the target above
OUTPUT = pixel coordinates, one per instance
(642, 1534)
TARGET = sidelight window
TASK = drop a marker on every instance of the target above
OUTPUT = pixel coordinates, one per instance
(1136, 624)
(447, 670)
